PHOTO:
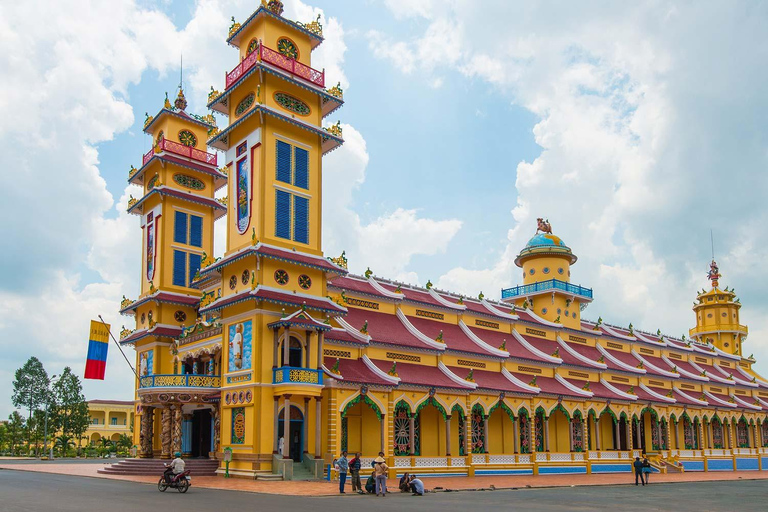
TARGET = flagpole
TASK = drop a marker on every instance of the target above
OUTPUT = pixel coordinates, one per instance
(119, 347)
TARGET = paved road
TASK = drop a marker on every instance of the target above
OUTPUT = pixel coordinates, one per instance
(36, 492)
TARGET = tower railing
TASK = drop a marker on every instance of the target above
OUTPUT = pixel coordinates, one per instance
(181, 150)
(276, 59)
(180, 381)
(552, 284)
(290, 374)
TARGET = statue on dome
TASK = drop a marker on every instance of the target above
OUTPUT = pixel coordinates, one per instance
(544, 226)
(714, 273)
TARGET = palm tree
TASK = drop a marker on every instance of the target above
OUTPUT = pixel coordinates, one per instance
(124, 443)
(64, 442)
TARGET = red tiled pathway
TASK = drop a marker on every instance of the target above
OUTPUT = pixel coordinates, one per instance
(456, 483)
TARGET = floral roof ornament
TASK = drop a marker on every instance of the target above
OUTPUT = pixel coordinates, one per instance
(124, 333)
(631, 390)
(557, 320)
(398, 289)
(364, 328)
(503, 345)
(335, 129)
(368, 273)
(335, 368)
(181, 100)
(631, 329)
(640, 366)
(213, 94)
(670, 394)
(234, 27)
(343, 296)
(601, 359)
(556, 353)
(533, 382)
(223, 200)
(167, 102)
(132, 201)
(152, 288)
(439, 338)
(336, 91)
(460, 301)
(147, 119)
(429, 284)
(470, 376)
(132, 171)
(341, 260)
(525, 304)
(125, 302)
(313, 26)
(585, 387)
(393, 371)
(481, 296)
(276, 6)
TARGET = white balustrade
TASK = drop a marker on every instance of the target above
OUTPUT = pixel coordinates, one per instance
(524, 459)
(402, 462)
(624, 455)
(560, 457)
(431, 462)
(685, 453)
(609, 455)
(458, 461)
(541, 456)
(478, 458)
(578, 456)
(501, 459)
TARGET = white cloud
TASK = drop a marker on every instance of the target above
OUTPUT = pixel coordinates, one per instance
(651, 124)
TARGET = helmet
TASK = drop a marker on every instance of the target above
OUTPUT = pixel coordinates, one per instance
(177, 454)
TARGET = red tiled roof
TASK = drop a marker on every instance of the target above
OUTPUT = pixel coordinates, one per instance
(355, 370)
(453, 336)
(113, 402)
(657, 362)
(624, 357)
(682, 400)
(297, 257)
(414, 295)
(549, 347)
(165, 297)
(686, 366)
(419, 375)
(298, 300)
(598, 389)
(590, 353)
(383, 328)
(724, 398)
(526, 317)
(714, 374)
(515, 349)
(354, 285)
(341, 335)
(548, 385)
(490, 380)
(159, 332)
(735, 374)
(641, 394)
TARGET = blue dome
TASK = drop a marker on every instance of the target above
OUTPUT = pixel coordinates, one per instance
(545, 240)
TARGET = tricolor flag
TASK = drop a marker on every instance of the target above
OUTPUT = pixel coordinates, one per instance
(98, 343)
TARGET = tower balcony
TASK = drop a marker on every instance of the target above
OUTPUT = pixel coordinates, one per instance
(715, 328)
(293, 375)
(153, 382)
(277, 59)
(175, 148)
(527, 290)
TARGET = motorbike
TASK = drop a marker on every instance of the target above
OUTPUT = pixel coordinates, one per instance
(180, 482)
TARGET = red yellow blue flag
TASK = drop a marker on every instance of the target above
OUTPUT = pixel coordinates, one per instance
(98, 344)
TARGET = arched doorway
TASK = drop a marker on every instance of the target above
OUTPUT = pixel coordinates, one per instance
(295, 353)
(559, 433)
(361, 426)
(432, 417)
(295, 432)
(501, 429)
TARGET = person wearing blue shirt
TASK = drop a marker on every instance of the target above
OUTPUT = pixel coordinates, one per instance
(343, 465)
(417, 486)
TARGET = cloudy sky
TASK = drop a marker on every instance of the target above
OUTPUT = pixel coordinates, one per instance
(635, 128)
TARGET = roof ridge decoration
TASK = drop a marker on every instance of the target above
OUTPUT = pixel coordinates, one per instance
(534, 350)
(689, 397)
(417, 333)
(376, 286)
(575, 389)
(653, 366)
(613, 389)
(490, 307)
(580, 357)
(365, 338)
(439, 298)
(379, 372)
(730, 377)
(610, 331)
(455, 378)
(753, 377)
(641, 336)
(517, 382)
(479, 342)
(683, 372)
(542, 321)
(654, 394)
(717, 400)
(705, 373)
(743, 403)
(618, 362)
(330, 373)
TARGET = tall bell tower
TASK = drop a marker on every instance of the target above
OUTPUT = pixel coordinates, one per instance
(717, 316)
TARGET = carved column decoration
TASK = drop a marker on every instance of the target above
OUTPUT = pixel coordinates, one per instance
(516, 435)
(216, 428)
(383, 432)
(176, 436)
(165, 433)
(286, 353)
(546, 434)
(411, 434)
(145, 435)
(571, 426)
(597, 433)
(448, 436)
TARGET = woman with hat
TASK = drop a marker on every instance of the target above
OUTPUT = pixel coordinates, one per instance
(380, 472)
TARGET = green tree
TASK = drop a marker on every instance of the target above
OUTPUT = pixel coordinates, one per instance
(3, 437)
(15, 428)
(30, 386)
(124, 443)
(36, 430)
(70, 410)
(64, 442)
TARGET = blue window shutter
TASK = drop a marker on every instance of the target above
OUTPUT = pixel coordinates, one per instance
(180, 228)
(301, 219)
(301, 174)
(283, 162)
(196, 230)
(194, 266)
(179, 268)
(283, 214)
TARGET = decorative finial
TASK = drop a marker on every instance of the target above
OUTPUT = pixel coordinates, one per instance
(543, 225)
(393, 371)
(525, 304)
(533, 381)
(470, 376)
(276, 6)
(181, 101)
(481, 296)
(631, 329)
(557, 320)
(335, 368)
(439, 338)
(429, 284)
(556, 353)
(167, 103)
(364, 328)
(714, 274)
(368, 273)
(460, 301)
(503, 345)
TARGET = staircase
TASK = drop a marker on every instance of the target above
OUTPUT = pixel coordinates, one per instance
(198, 467)
(300, 472)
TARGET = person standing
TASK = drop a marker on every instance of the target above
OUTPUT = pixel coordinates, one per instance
(380, 471)
(343, 465)
(354, 468)
(638, 465)
(646, 470)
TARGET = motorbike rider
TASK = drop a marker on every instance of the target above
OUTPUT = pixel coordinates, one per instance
(176, 467)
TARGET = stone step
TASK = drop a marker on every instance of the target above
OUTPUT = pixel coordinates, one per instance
(200, 467)
(269, 477)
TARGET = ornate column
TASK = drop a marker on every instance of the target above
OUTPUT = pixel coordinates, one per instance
(286, 425)
(448, 436)
(146, 432)
(276, 425)
(710, 440)
(677, 439)
(318, 425)
(516, 434)
(411, 434)
(383, 432)
(597, 433)
(616, 432)
(658, 432)
(570, 434)
(485, 433)
(276, 344)
(286, 347)
(216, 428)
(468, 436)
(176, 428)
(584, 434)
(306, 424)
(165, 433)
(320, 339)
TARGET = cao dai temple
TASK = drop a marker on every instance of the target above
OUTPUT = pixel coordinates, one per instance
(278, 357)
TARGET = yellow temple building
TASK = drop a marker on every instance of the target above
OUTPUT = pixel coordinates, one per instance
(109, 419)
(277, 356)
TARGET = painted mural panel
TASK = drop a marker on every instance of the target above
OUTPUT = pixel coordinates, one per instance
(243, 204)
(240, 346)
(238, 425)
(147, 363)
(150, 246)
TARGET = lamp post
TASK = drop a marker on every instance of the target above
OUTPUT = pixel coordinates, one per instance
(45, 435)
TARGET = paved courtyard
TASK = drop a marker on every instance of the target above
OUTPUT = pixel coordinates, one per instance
(25, 491)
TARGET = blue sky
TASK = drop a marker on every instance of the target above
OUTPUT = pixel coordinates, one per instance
(634, 129)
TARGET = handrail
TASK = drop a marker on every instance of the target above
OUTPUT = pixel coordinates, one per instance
(291, 374)
(182, 150)
(552, 284)
(275, 58)
(180, 381)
